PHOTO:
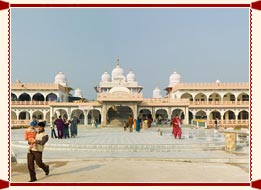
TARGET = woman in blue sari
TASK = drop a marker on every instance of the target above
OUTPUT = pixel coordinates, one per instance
(138, 123)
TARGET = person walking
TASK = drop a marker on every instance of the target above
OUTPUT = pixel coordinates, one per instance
(35, 153)
(176, 123)
(53, 133)
(96, 122)
(130, 122)
(66, 128)
(216, 123)
(125, 125)
(73, 126)
(59, 124)
(138, 124)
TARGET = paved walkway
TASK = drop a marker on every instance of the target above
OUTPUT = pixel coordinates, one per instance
(108, 149)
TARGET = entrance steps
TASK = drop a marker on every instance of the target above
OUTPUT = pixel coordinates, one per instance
(127, 147)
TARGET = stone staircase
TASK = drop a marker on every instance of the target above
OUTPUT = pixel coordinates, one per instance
(128, 147)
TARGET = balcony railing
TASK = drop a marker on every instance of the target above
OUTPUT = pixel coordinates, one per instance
(30, 102)
(119, 96)
(230, 103)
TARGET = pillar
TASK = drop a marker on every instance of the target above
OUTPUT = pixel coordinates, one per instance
(85, 113)
(104, 115)
(186, 116)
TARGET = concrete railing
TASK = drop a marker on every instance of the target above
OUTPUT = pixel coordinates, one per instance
(221, 123)
(230, 103)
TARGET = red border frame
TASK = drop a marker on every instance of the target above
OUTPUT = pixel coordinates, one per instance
(254, 5)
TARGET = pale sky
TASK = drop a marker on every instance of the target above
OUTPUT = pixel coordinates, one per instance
(202, 45)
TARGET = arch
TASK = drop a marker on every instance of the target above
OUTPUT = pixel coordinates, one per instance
(229, 115)
(214, 97)
(243, 97)
(116, 115)
(94, 114)
(229, 97)
(24, 115)
(200, 97)
(13, 97)
(51, 97)
(79, 114)
(62, 112)
(178, 112)
(215, 114)
(38, 114)
(201, 115)
(161, 115)
(187, 96)
(13, 115)
(38, 97)
(24, 97)
(243, 115)
(145, 113)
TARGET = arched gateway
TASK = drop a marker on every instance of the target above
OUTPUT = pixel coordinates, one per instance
(116, 115)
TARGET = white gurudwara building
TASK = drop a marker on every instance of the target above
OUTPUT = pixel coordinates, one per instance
(119, 96)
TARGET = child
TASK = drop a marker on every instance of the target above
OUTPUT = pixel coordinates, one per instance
(30, 135)
(124, 125)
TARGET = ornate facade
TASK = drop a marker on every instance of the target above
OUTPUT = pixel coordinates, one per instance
(119, 96)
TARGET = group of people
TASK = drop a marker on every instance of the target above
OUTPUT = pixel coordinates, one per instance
(37, 139)
(63, 127)
(139, 123)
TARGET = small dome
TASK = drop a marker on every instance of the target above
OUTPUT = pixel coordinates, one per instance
(119, 89)
(131, 77)
(60, 78)
(117, 71)
(157, 93)
(217, 81)
(78, 93)
(105, 77)
(174, 79)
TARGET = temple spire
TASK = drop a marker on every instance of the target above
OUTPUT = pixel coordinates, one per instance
(118, 61)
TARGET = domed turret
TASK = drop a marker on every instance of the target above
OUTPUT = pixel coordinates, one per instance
(131, 77)
(78, 93)
(157, 93)
(105, 77)
(117, 72)
(60, 78)
(174, 79)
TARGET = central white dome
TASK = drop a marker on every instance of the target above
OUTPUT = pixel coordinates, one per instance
(116, 72)
(60, 78)
(119, 89)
